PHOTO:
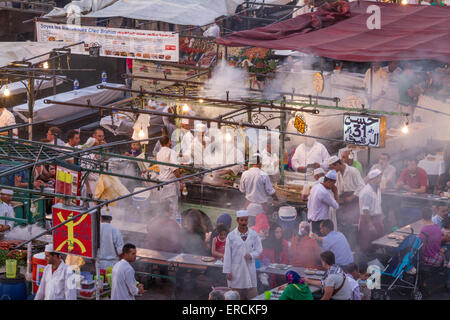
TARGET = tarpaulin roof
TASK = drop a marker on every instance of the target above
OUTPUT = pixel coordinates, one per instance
(409, 32)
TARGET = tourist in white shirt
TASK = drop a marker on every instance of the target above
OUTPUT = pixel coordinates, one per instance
(388, 178)
(58, 280)
(371, 219)
(256, 184)
(123, 286)
(169, 192)
(349, 183)
(320, 200)
(7, 119)
(310, 154)
(6, 210)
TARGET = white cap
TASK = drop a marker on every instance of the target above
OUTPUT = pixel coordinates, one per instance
(254, 209)
(254, 158)
(184, 121)
(332, 175)
(105, 212)
(49, 248)
(200, 127)
(374, 173)
(319, 171)
(7, 191)
(333, 159)
(241, 213)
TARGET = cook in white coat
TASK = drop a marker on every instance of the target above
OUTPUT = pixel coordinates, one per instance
(58, 280)
(199, 146)
(242, 248)
(111, 241)
(169, 192)
(123, 283)
(6, 210)
(182, 138)
(310, 154)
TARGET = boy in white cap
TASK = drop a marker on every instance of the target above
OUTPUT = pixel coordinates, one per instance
(111, 241)
(6, 210)
(320, 200)
(58, 280)
(371, 216)
(242, 248)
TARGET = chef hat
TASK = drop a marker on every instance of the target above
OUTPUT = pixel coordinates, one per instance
(184, 121)
(241, 213)
(374, 173)
(333, 159)
(332, 175)
(49, 248)
(200, 127)
(254, 209)
(7, 191)
(105, 212)
(319, 171)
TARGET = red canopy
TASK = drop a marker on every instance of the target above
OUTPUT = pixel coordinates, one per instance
(410, 32)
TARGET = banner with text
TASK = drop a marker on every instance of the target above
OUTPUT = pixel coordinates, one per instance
(114, 42)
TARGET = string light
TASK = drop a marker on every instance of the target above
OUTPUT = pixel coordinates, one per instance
(6, 93)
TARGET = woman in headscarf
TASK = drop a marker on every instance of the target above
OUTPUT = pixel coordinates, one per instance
(262, 226)
(296, 289)
(275, 248)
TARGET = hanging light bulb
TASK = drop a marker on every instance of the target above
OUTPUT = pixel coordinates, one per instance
(201, 100)
(404, 2)
(405, 128)
(6, 93)
(185, 108)
(228, 137)
(45, 65)
(141, 134)
(185, 191)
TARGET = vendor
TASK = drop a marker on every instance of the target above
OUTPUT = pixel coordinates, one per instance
(171, 191)
(182, 137)
(270, 161)
(111, 241)
(6, 210)
(256, 184)
(7, 119)
(198, 147)
(56, 281)
(310, 154)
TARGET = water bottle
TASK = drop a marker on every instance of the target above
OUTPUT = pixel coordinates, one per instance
(104, 77)
(76, 85)
(177, 216)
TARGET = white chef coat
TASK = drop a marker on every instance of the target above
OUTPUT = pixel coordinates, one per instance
(270, 163)
(166, 173)
(305, 155)
(123, 286)
(319, 202)
(213, 31)
(111, 244)
(243, 271)
(60, 285)
(380, 82)
(370, 200)
(351, 180)
(197, 151)
(7, 210)
(7, 119)
(182, 142)
(256, 185)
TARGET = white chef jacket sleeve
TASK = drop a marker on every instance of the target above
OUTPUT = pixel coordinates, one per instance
(268, 185)
(40, 294)
(359, 182)
(227, 256)
(258, 249)
(130, 282)
(298, 158)
(70, 291)
(118, 241)
(242, 184)
(328, 198)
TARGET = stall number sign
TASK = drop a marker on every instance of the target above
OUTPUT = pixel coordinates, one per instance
(300, 124)
(75, 237)
(365, 130)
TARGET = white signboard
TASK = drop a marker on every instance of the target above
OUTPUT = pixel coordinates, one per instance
(365, 130)
(114, 42)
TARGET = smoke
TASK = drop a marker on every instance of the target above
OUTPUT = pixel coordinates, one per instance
(22, 233)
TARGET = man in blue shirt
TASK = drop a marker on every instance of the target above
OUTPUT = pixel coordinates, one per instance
(440, 213)
(335, 242)
(18, 179)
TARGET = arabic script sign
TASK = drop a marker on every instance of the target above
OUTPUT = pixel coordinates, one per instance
(300, 124)
(365, 130)
(75, 237)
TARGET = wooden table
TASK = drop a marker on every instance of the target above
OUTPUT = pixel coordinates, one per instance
(386, 242)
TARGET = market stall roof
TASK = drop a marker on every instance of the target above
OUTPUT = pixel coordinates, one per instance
(18, 51)
(409, 32)
(183, 12)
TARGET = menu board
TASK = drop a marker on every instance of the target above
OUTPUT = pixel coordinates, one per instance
(365, 130)
(114, 42)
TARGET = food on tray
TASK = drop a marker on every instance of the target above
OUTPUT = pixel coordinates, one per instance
(51, 39)
(154, 56)
(108, 52)
(116, 53)
(167, 57)
(131, 54)
(123, 54)
(139, 54)
(208, 259)
(146, 56)
(161, 56)
(310, 272)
